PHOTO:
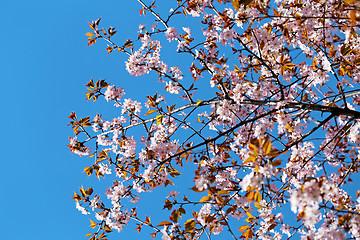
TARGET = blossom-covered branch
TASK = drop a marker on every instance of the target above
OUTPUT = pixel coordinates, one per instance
(263, 117)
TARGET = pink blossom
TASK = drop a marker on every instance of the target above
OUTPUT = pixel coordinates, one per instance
(83, 152)
(106, 125)
(326, 64)
(73, 141)
(104, 168)
(135, 199)
(173, 88)
(81, 209)
(201, 183)
(112, 93)
(141, 27)
(171, 34)
(203, 213)
(173, 194)
(252, 180)
(94, 202)
(101, 139)
(130, 106)
(165, 235)
(226, 35)
(354, 135)
(187, 30)
(182, 44)
(176, 72)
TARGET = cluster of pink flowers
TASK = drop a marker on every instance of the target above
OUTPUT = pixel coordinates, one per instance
(171, 34)
(112, 93)
(173, 88)
(146, 58)
(131, 106)
(76, 147)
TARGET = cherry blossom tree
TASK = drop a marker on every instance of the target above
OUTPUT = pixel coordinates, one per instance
(264, 118)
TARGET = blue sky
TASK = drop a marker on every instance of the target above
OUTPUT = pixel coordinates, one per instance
(45, 64)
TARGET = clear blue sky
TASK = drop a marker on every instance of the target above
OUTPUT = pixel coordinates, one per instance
(45, 64)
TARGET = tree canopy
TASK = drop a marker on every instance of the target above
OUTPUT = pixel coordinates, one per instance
(263, 118)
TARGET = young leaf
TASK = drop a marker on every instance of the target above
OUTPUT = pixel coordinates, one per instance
(150, 112)
(92, 223)
(205, 199)
(164, 223)
(236, 4)
(243, 228)
(159, 119)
